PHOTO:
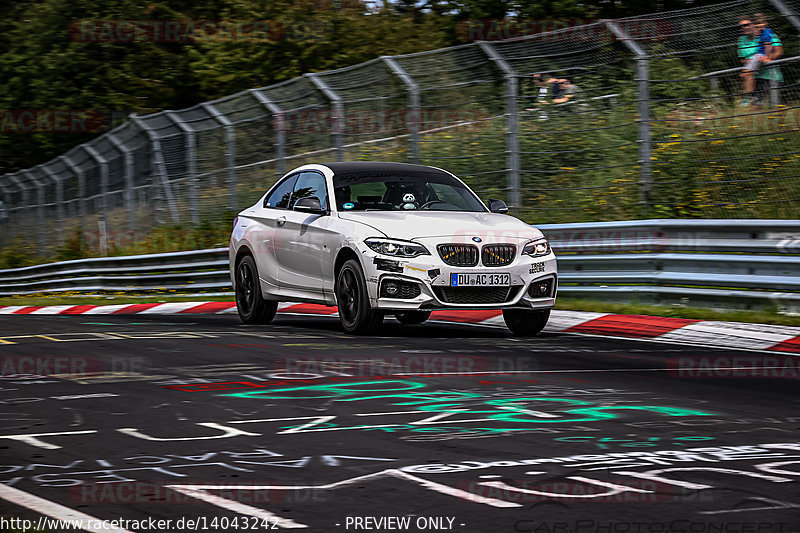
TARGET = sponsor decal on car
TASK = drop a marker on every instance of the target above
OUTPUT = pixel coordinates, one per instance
(537, 267)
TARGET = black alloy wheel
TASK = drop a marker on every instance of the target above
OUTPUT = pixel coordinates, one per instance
(355, 312)
(250, 303)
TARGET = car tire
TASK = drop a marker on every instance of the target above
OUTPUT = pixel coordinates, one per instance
(525, 323)
(412, 317)
(250, 303)
(355, 312)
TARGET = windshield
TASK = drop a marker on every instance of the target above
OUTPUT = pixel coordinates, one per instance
(407, 192)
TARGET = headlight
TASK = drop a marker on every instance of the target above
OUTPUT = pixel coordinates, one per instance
(396, 248)
(536, 248)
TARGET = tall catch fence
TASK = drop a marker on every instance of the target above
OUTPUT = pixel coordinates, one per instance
(655, 127)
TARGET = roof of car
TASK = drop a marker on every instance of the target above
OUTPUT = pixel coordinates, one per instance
(377, 166)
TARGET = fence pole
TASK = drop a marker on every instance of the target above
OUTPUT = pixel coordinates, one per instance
(159, 166)
(102, 224)
(774, 93)
(81, 188)
(59, 202)
(643, 105)
(5, 211)
(103, 162)
(39, 185)
(129, 171)
(414, 118)
(230, 151)
(191, 162)
(279, 125)
(23, 190)
(338, 114)
(791, 15)
(512, 123)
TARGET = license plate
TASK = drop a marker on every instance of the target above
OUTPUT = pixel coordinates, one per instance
(479, 280)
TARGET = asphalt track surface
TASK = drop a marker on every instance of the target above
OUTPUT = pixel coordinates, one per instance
(437, 427)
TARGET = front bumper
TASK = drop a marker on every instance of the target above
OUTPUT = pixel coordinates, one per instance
(430, 278)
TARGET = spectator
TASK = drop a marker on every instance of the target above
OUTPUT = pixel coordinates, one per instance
(540, 86)
(747, 47)
(569, 93)
(770, 41)
(555, 87)
(765, 52)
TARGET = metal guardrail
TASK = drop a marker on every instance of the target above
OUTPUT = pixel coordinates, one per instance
(179, 271)
(741, 264)
(705, 263)
(742, 236)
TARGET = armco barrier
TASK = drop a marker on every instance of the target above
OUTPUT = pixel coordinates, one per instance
(191, 270)
(707, 263)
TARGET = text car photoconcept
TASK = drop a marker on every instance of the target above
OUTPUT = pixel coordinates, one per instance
(382, 239)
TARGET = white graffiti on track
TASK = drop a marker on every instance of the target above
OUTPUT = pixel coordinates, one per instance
(691, 461)
(15, 401)
(171, 466)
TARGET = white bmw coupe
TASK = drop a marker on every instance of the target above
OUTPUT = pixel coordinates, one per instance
(382, 239)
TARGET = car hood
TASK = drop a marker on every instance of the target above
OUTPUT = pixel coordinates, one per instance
(459, 226)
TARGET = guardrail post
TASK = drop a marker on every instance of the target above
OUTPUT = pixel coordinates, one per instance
(59, 201)
(159, 165)
(39, 185)
(279, 125)
(191, 163)
(512, 123)
(129, 170)
(414, 118)
(643, 104)
(230, 151)
(81, 188)
(338, 114)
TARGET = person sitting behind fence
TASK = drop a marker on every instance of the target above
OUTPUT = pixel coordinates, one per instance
(768, 49)
(540, 88)
(569, 93)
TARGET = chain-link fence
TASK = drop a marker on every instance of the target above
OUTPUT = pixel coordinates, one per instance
(630, 118)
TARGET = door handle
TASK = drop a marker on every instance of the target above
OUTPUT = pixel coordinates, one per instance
(280, 221)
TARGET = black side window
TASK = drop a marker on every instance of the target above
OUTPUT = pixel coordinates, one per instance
(282, 194)
(311, 184)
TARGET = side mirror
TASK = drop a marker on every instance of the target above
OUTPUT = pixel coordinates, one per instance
(497, 206)
(309, 205)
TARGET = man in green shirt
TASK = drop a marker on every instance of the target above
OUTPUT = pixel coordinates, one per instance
(747, 47)
(757, 83)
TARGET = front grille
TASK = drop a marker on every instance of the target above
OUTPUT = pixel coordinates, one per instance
(476, 295)
(498, 254)
(462, 255)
